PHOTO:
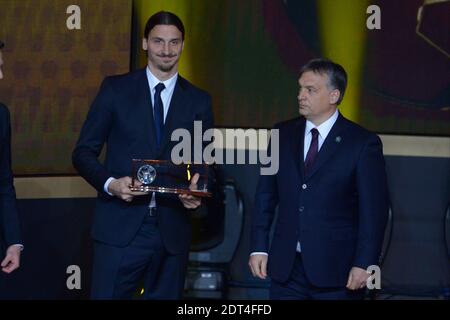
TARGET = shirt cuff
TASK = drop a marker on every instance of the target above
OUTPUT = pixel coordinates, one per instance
(256, 252)
(106, 185)
(18, 245)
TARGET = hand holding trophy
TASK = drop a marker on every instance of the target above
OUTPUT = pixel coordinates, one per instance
(186, 180)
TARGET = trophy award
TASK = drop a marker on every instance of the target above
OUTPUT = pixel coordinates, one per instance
(166, 177)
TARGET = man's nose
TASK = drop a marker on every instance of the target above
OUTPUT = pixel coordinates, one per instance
(166, 48)
(301, 96)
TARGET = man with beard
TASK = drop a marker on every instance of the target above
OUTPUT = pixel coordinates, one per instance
(139, 237)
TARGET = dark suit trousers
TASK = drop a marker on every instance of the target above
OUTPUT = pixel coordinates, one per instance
(119, 273)
(298, 287)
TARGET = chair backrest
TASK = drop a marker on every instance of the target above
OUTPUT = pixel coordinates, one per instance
(232, 228)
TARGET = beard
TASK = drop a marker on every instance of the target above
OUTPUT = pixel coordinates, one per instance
(165, 67)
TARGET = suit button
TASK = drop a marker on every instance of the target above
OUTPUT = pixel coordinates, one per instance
(301, 209)
(304, 186)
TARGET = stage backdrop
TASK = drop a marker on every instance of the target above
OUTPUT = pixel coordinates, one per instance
(52, 73)
(247, 54)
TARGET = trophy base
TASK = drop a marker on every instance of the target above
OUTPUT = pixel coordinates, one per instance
(195, 193)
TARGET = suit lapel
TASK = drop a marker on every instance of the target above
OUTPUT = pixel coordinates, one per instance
(297, 142)
(330, 145)
(177, 103)
(145, 105)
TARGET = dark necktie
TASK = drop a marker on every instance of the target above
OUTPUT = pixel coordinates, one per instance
(158, 112)
(313, 150)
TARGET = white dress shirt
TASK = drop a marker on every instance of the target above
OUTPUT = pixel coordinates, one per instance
(324, 129)
(166, 97)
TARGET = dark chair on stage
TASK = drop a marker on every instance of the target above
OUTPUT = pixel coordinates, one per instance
(217, 229)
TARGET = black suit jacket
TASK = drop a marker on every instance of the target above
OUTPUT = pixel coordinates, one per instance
(9, 222)
(338, 211)
(121, 117)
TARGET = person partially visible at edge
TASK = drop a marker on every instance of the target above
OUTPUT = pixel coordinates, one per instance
(11, 243)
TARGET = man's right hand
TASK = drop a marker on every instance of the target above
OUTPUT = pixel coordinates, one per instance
(258, 265)
(12, 259)
(121, 189)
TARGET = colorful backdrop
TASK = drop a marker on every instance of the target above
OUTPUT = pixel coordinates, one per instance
(247, 54)
(52, 73)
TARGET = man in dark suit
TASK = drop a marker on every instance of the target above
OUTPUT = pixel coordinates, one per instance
(332, 198)
(138, 236)
(9, 223)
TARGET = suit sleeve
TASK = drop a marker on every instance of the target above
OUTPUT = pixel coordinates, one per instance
(373, 203)
(10, 228)
(92, 138)
(266, 200)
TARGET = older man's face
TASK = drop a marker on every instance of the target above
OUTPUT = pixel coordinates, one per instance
(1, 65)
(316, 101)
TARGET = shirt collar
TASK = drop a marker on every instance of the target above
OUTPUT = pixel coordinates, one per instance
(325, 127)
(154, 81)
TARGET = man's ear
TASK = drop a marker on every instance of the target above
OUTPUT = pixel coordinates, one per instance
(334, 96)
(144, 44)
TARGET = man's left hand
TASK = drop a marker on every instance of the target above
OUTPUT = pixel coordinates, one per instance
(12, 259)
(357, 278)
(189, 201)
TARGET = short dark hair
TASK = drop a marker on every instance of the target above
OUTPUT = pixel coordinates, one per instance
(2, 44)
(165, 18)
(337, 77)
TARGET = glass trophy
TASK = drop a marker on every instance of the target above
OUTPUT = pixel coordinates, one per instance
(164, 176)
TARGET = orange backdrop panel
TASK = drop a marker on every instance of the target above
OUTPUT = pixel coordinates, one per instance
(52, 73)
